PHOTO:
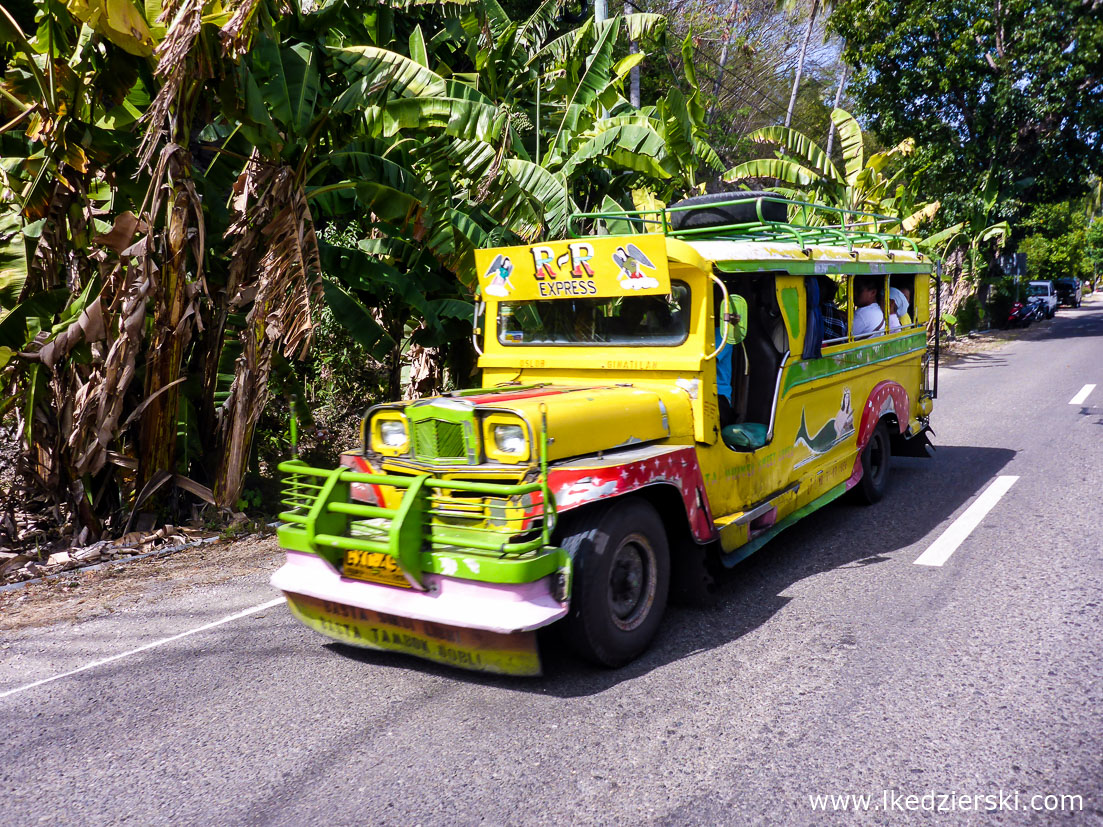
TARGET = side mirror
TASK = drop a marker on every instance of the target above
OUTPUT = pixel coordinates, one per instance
(736, 316)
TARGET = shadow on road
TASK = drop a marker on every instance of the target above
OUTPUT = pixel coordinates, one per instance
(923, 493)
(969, 361)
(1072, 323)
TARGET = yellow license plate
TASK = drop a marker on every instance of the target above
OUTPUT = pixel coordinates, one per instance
(375, 567)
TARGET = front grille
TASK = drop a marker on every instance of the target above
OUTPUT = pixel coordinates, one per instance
(439, 439)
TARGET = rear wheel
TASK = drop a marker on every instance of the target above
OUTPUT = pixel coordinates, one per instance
(621, 581)
(875, 466)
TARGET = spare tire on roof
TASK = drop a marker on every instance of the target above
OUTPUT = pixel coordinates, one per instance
(712, 211)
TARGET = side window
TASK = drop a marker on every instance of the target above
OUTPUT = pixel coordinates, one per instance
(902, 299)
(868, 302)
(834, 297)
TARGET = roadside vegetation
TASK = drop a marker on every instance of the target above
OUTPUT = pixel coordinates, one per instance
(212, 214)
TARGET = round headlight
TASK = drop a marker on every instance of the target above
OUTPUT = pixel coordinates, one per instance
(510, 439)
(392, 432)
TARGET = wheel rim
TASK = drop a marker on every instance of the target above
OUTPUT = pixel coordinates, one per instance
(631, 582)
(878, 458)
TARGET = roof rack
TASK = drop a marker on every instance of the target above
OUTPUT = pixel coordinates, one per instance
(807, 224)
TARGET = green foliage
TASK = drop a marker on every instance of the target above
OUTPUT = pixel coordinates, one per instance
(968, 316)
(1093, 246)
(321, 173)
(1056, 244)
(1000, 298)
(1014, 89)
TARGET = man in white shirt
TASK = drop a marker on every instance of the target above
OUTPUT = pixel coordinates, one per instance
(868, 316)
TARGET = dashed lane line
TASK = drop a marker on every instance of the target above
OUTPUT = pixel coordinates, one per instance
(1085, 392)
(153, 645)
(941, 549)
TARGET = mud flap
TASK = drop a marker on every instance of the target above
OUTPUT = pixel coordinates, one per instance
(475, 649)
(918, 445)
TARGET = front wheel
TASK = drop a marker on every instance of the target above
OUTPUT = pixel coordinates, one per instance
(875, 466)
(621, 580)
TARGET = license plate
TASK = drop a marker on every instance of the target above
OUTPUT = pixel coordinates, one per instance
(375, 567)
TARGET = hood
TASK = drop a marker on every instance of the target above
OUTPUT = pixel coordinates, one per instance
(581, 420)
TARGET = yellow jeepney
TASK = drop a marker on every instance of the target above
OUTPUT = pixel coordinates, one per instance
(649, 400)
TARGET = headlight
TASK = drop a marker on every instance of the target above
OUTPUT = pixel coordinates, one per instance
(392, 433)
(510, 439)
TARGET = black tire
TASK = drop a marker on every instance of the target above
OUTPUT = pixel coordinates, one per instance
(875, 466)
(621, 581)
(708, 215)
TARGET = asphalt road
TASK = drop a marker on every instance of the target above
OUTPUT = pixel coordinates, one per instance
(833, 665)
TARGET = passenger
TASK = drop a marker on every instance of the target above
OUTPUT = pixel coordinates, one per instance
(902, 307)
(868, 316)
(898, 309)
(724, 381)
(834, 319)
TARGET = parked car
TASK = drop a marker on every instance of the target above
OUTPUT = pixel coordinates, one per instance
(1069, 291)
(1046, 293)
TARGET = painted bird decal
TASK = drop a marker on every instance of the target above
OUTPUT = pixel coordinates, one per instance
(629, 259)
(499, 272)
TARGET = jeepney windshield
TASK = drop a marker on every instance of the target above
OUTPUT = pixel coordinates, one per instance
(630, 321)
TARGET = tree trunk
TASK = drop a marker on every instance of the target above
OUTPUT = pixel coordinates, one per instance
(723, 59)
(634, 75)
(171, 331)
(800, 62)
(838, 99)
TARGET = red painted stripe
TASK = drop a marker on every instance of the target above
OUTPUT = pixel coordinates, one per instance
(495, 397)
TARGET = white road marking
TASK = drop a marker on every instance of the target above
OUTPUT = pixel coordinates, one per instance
(1085, 392)
(156, 643)
(941, 549)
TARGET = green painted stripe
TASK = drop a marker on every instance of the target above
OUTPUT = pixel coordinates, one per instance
(747, 549)
(809, 370)
(808, 268)
(790, 300)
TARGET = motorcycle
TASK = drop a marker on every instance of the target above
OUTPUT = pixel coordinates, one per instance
(1023, 313)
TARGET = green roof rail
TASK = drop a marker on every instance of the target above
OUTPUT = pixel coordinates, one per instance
(809, 223)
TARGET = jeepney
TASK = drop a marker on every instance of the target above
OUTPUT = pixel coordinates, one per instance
(650, 401)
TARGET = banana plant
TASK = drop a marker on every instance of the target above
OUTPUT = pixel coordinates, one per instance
(863, 184)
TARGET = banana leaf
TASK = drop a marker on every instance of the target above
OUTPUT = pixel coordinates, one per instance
(850, 142)
(789, 171)
(631, 146)
(357, 320)
(800, 146)
(291, 83)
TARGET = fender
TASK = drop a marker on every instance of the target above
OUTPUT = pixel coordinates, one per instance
(589, 479)
(886, 398)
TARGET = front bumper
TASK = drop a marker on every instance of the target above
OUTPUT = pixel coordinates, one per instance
(493, 607)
